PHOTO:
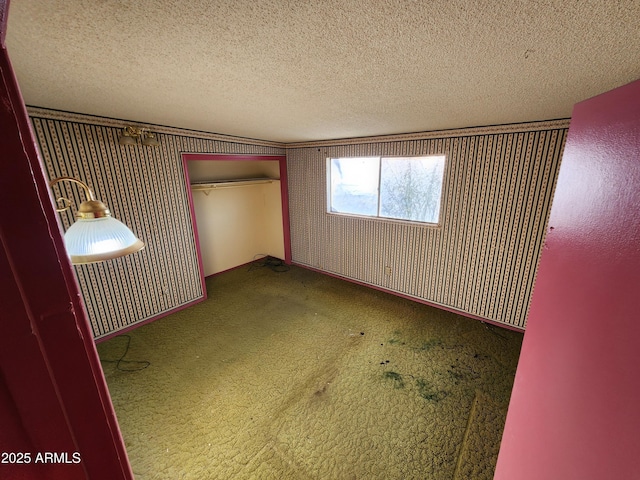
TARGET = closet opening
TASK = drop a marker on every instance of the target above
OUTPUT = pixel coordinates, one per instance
(239, 209)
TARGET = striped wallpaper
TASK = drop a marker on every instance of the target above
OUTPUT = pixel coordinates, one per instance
(145, 188)
(482, 258)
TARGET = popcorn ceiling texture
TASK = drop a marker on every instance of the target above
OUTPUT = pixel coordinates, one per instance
(294, 71)
(297, 375)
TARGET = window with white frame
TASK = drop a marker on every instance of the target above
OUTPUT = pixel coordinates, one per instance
(402, 188)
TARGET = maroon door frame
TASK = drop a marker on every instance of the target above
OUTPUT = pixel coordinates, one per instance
(284, 191)
(53, 396)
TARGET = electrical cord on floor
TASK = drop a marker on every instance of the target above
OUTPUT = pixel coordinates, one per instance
(121, 361)
(275, 264)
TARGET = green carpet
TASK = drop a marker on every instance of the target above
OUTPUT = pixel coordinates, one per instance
(298, 375)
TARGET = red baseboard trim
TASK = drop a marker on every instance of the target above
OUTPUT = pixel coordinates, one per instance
(317, 270)
(177, 309)
(414, 299)
(151, 319)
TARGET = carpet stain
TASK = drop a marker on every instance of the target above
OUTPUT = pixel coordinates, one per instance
(396, 379)
(296, 375)
(428, 392)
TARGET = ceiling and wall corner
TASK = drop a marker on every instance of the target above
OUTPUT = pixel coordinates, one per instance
(617, 35)
(298, 74)
(304, 71)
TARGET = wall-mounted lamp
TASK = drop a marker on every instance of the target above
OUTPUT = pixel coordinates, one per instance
(95, 236)
(130, 136)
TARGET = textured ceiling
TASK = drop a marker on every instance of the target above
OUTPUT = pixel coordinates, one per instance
(303, 70)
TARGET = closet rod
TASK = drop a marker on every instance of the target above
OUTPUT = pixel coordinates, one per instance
(207, 187)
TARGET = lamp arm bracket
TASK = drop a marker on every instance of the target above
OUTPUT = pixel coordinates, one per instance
(134, 131)
(64, 201)
(65, 204)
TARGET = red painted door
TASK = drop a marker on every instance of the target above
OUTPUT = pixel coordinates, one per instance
(575, 407)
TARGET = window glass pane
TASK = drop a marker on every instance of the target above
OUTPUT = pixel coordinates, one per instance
(354, 185)
(410, 188)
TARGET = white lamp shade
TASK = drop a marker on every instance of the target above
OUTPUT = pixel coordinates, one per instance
(91, 240)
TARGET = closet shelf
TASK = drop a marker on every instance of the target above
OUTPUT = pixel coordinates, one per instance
(242, 182)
